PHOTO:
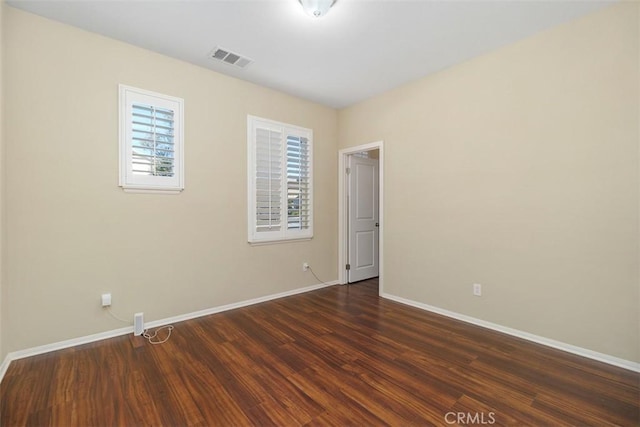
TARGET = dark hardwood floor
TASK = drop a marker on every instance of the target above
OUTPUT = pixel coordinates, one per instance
(336, 356)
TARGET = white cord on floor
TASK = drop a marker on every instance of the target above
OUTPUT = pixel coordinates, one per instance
(146, 332)
(150, 337)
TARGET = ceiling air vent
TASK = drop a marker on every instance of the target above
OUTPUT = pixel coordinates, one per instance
(231, 58)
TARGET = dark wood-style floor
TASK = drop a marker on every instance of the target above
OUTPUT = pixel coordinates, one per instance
(336, 356)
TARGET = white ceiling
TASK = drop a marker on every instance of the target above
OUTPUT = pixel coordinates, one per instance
(359, 49)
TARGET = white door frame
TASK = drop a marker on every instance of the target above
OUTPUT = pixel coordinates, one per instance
(342, 209)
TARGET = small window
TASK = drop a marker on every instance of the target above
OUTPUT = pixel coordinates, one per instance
(151, 141)
(279, 182)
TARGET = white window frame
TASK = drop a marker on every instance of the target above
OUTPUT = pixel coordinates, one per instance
(256, 237)
(130, 182)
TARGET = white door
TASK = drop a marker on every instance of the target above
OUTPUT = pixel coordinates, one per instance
(363, 218)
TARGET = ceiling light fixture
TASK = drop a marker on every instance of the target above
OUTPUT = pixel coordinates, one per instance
(316, 8)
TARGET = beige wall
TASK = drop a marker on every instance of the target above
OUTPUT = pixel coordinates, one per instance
(73, 234)
(519, 170)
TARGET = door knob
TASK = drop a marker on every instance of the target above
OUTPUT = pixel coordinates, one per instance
(377, 224)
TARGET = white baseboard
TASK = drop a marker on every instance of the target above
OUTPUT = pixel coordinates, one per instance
(33, 351)
(5, 365)
(233, 306)
(601, 357)
(129, 329)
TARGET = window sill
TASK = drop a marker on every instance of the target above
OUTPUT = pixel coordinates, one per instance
(152, 190)
(279, 241)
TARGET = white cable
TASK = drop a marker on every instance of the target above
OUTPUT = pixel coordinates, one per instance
(317, 278)
(150, 337)
(146, 333)
(117, 318)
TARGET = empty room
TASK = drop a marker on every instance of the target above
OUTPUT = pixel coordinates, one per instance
(319, 212)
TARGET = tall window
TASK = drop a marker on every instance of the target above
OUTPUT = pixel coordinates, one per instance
(151, 141)
(279, 182)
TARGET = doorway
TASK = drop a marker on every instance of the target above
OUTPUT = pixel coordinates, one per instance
(362, 216)
(360, 208)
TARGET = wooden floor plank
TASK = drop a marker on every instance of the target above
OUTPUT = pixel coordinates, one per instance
(336, 356)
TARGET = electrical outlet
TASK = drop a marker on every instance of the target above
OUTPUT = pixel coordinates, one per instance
(477, 289)
(305, 266)
(106, 300)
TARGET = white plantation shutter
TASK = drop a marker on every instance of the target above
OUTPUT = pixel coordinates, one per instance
(298, 183)
(279, 181)
(268, 180)
(151, 141)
